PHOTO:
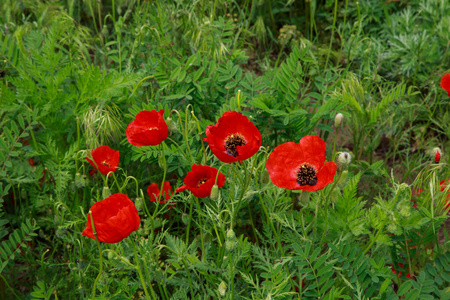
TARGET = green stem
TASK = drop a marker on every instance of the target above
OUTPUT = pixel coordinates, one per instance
(9, 287)
(201, 226)
(189, 278)
(100, 252)
(189, 223)
(142, 277)
(332, 31)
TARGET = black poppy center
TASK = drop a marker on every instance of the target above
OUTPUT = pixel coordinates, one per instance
(202, 181)
(306, 175)
(105, 163)
(232, 142)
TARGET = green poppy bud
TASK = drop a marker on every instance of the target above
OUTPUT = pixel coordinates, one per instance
(106, 192)
(230, 242)
(138, 204)
(215, 192)
(338, 120)
(222, 288)
(185, 219)
(171, 125)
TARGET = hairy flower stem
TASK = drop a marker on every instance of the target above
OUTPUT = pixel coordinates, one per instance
(201, 225)
(189, 278)
(140, 275)
(189, 223)
(100, 252)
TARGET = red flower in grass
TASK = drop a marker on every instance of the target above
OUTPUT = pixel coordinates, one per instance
(233, 138)
(105, 159)
(115, 218)
(445, 83)
(201, 180)
(147, 129)
(443, 184)
(301, 166)
(437, 157)
(31, 162)
(153, 191)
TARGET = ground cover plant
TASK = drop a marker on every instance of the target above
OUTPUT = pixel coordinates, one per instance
(224, 149)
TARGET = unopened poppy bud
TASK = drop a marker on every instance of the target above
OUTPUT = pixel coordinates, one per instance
(110, 255)
(214, 192)
(222, 288)
(185, 219)
(138, 204)
(343, 160)
(106, 192)
(78, 181)
(230, 242)
(437, 155)
(338, 120)
(171, 125)
(405, 211)
(392, 228)
(105, 30)
(230, 234)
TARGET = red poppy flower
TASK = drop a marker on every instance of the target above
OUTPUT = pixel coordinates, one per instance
(201, 180)
(105, 159)
(437, 157)
(445, 83)
(233, 138)
(443, 185)
(31, 162)
(147, 129)
(115, 218)
(92, 172)
(301, 166)
(153, 191)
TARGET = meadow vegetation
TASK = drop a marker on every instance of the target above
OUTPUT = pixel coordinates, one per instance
(147, 149)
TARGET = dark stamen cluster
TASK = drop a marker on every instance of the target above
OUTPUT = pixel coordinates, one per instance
(232, 141)
(306, 175)
(106, 164)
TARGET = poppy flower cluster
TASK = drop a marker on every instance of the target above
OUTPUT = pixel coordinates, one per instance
(443, 186)
(301, 166)
(104, 159)
(154, 192)
(115, 218)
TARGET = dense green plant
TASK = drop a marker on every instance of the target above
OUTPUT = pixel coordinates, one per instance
(74, 74)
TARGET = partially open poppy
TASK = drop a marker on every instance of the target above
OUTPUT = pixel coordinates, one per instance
(105, 159)
(115, 218)
(233, 138)
(154, 192)
(147, 129)
(445, 83)
(443, 185)
(201, 180)
(301, 166)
